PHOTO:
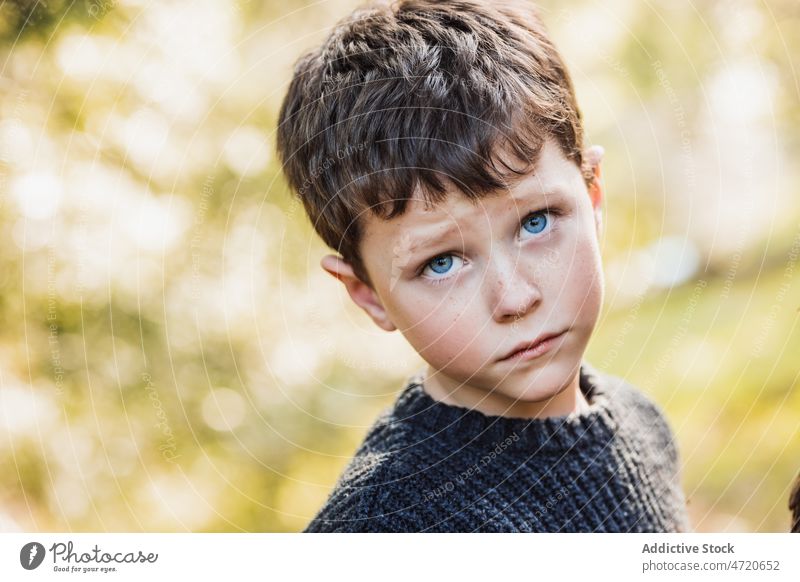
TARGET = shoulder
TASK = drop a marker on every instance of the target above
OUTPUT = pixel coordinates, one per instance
(351, 506)
(379, 490)
(638, 404)
(637, 411)
(627, 398)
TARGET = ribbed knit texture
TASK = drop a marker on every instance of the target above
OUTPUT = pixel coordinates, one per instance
(435, 467)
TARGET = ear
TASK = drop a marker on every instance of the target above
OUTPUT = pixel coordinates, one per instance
(361, 293)
(593, 157)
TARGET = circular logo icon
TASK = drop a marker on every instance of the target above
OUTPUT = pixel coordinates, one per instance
(31, 555)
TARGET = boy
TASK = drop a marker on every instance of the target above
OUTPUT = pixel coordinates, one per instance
(438, 147)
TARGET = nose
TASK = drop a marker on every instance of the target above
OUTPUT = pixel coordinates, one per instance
(511, 287)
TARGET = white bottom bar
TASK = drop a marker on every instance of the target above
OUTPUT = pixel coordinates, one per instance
(354, 557)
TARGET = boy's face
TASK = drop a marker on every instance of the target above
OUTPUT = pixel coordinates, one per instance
(506, 269)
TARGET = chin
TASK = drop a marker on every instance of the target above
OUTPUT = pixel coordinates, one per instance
(540, 395)
(543, 383)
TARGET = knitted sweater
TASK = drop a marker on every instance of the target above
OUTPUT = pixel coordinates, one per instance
(434, 467)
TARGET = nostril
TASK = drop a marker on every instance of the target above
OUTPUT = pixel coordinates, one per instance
(513, 307)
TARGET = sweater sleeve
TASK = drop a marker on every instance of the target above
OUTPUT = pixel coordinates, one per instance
(369, 509)
(347, 512)
(349, 507)
(372, 495)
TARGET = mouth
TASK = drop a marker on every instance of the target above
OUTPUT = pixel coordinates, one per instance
(534, 349)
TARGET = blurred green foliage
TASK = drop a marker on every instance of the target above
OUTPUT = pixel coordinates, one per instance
(171, 356)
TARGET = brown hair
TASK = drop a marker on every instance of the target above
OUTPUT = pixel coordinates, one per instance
(419, 94)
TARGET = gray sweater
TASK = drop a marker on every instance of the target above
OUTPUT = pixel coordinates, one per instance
(429, 466)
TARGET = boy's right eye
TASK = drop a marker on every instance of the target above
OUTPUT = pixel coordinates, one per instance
(441, 265)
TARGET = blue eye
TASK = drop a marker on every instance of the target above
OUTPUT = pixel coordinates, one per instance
(441, 265)
(535, 223)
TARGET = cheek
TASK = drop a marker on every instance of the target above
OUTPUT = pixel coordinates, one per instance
(442, 333)
(584, 283)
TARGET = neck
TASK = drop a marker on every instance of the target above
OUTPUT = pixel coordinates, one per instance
(492, 403)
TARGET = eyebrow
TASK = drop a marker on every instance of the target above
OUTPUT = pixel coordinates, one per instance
(418, 245)
(529, 196)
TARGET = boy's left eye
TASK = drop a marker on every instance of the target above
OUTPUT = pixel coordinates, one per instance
(535, 222)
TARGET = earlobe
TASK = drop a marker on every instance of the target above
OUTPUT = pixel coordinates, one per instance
(361, 293)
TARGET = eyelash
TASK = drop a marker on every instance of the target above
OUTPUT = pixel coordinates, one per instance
(553, 212)
(438, 281)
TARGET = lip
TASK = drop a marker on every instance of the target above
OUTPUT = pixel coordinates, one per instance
(534, 349)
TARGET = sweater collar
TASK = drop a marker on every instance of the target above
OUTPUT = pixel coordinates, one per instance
(597, 424)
